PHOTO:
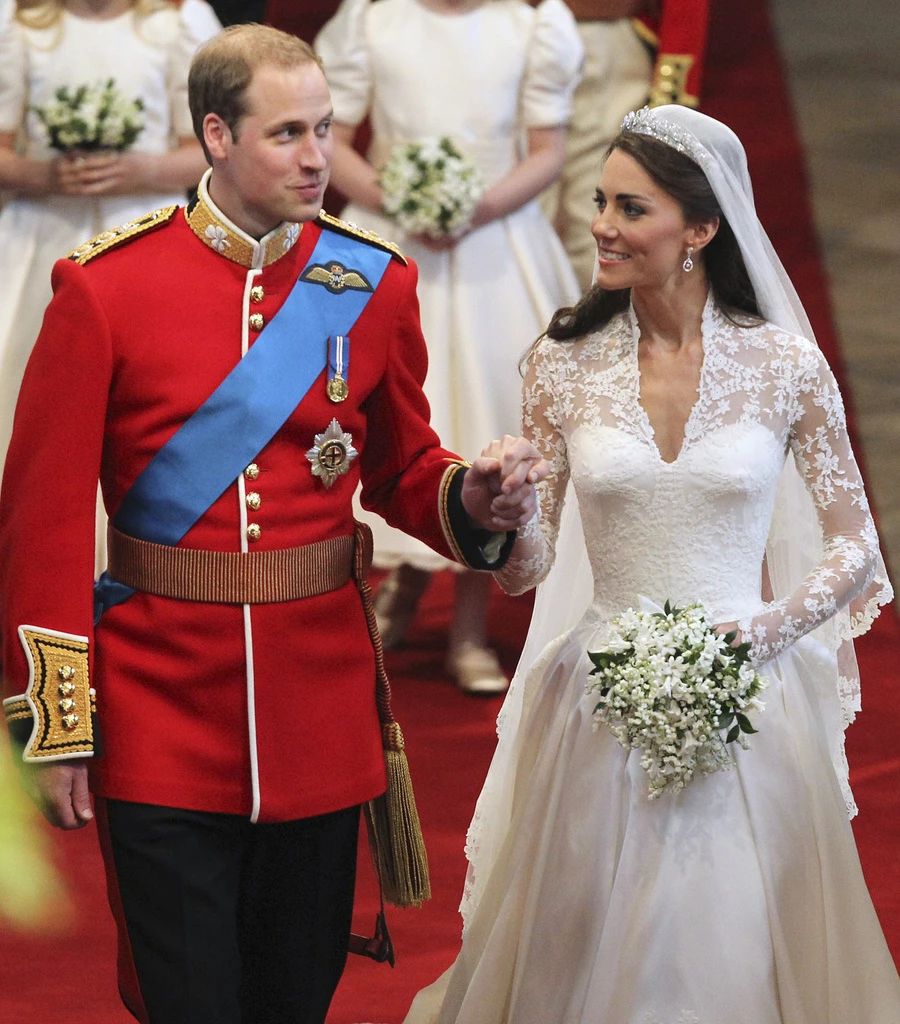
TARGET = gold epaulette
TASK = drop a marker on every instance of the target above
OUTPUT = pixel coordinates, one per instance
(114, 237)
(645, 33)
(670, 77)
(346, 228)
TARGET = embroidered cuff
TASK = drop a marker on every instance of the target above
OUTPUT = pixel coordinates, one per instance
(478, 549)
(54, 718)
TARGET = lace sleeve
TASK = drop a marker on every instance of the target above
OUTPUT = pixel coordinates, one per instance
(821, 447)
(533, 553)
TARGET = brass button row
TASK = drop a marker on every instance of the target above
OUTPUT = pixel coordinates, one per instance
(66, 705)
(253, 501)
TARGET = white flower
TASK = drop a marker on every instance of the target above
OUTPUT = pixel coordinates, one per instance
(429, 187)
(669, 685)
(291, 236)
(217, 237)
(91, 116)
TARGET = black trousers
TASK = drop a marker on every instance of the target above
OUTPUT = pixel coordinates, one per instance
(225, 922)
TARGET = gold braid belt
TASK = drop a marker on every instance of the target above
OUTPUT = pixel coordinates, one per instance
(233, 577)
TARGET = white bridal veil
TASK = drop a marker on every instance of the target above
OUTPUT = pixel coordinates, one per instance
(794, 545)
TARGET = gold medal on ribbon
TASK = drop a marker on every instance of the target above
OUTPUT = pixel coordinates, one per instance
(332, 453)
(337, 387)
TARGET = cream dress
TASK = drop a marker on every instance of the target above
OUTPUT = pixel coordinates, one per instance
(148, 59)
(741, 899)
(481, 78)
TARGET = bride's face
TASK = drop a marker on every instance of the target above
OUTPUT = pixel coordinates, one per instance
(641, 233)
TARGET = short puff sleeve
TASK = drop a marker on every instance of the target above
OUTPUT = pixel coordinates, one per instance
(197, 23)
(343, 47)
(555, 56)
(13, 69)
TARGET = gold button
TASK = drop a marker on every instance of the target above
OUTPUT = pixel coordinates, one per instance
(252, 471)
(256, 293)
(66, 689)
(70, 722)
(253, 531)
(253, 500)
(256, 321)
(66, 706)
(66, 672)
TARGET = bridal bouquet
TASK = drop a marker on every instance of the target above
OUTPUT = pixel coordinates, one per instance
(91, 117)
(671, 686)
(430, 187)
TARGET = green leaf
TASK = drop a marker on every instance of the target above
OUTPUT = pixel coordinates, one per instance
(733, 734)
(725, 719)
(744, 723)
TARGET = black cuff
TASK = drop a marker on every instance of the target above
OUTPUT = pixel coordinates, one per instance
(471, 542)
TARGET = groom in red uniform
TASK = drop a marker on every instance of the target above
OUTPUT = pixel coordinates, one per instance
(230, 371)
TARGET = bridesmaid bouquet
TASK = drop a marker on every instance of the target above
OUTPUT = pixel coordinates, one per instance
(430, 188)
(671, 686)
(91, 117)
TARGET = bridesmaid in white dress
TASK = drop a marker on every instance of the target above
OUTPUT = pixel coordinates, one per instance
(688, 408)
(53, 203)
(496, 77)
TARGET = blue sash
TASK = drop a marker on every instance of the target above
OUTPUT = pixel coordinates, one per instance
(212, 448)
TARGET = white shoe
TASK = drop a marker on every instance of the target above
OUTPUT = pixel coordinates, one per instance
(475, 669)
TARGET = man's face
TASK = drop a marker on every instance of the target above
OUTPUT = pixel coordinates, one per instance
(277, 168)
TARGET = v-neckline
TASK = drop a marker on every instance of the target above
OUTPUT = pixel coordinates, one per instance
(649, 430)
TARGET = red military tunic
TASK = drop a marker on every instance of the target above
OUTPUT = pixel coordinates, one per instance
(677, 34)
(264, 710)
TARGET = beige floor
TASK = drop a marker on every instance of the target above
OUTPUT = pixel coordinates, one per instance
(844, 74)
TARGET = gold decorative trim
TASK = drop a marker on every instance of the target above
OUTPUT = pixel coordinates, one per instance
(645, 33)
(58, 696)
(15, 709)
(115, 237)
(346, 228)
(443, 498)
(670, 80)
(218, 233)
(231, 577)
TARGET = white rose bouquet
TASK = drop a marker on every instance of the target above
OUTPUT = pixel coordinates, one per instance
(670, 685)
(91, 117)
(430, 188)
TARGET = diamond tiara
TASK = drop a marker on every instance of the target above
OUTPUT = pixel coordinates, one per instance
(644, 122)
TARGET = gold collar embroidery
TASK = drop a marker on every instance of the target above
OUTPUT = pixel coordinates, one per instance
(215, 230)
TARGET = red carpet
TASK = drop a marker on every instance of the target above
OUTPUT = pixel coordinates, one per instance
(68, 978)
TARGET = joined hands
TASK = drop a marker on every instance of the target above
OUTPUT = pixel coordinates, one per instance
(498, 491)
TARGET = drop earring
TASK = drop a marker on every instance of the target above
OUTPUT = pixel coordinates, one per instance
(688, 264)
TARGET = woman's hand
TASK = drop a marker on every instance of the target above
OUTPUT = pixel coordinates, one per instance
(105, 174)
(724, 628)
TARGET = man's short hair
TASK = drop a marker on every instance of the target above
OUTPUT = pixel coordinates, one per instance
(223, 67)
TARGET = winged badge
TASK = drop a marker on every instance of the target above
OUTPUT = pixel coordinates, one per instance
(336, 278)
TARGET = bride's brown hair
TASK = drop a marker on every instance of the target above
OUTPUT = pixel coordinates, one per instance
(686, 183)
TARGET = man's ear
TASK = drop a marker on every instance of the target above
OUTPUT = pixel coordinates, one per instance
(217, 136)
(702, 233)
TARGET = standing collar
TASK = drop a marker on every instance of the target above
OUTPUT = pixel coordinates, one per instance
(223, 236)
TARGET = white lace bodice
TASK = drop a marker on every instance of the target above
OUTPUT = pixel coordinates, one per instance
(696, 528)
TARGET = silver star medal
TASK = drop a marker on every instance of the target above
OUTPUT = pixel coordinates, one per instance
(332, 453)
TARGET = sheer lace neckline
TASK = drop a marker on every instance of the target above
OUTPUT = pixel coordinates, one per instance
(708, 322)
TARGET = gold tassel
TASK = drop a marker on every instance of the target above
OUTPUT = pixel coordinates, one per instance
(395, 835)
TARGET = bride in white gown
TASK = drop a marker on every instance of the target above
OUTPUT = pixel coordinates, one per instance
(688, 408)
